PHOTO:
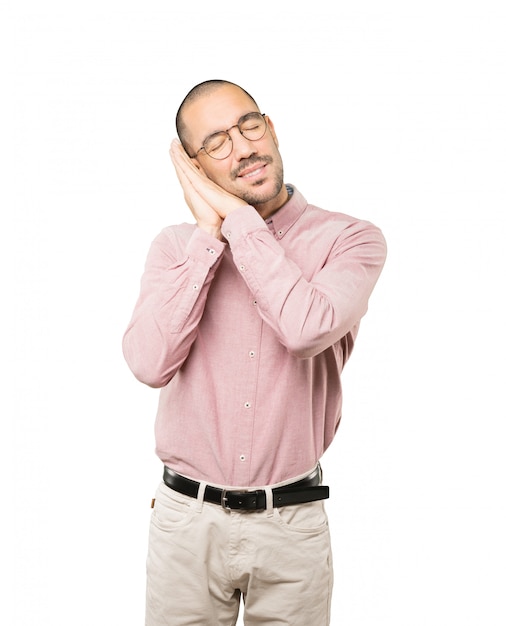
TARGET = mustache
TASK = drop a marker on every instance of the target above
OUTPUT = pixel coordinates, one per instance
(249, 162)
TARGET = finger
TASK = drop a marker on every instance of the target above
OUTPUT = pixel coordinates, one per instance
(182, 164)
(180, 155)
(178, 152)
(184, 167)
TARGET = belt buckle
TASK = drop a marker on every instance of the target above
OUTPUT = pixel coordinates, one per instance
(224, 498)
(247, 495)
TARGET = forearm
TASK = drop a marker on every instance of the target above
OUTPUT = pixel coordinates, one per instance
(309, 310)
(172, 300)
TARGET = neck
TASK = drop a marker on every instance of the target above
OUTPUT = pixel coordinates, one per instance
(267, 209)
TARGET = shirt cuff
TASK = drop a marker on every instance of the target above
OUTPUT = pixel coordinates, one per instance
(204, 248)
(242, 222)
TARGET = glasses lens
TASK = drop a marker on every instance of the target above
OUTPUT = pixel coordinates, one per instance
(253, 126)
(218, 146)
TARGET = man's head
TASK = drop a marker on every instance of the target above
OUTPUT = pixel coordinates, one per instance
(244, 160)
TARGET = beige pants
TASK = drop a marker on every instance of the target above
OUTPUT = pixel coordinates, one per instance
(203, 558)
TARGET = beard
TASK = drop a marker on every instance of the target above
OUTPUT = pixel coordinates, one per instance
(258, 196)
(255, 198)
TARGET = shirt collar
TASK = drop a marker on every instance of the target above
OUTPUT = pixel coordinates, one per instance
(284, 218)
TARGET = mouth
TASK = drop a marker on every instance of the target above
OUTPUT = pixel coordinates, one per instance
(253, 169)
(252, 172)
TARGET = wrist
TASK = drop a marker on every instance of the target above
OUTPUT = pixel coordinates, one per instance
(212, 229)
(226, 209)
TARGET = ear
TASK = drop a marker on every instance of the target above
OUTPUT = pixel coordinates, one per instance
(271, 128)
(196, 163)
(201, 168)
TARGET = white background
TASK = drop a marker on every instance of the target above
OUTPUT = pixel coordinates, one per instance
(392, 111)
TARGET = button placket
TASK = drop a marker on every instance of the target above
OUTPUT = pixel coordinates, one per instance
(246, 417)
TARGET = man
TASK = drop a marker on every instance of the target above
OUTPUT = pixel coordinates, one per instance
(245, 320)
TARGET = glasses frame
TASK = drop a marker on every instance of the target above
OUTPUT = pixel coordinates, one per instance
(227, 132)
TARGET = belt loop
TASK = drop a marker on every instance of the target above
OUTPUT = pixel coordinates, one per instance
(269, 506)
(200, 497)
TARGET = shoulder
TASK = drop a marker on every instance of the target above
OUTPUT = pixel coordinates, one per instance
(172, 241)
(315, 217)
(341, 227)
(175, 234)
(177, 231)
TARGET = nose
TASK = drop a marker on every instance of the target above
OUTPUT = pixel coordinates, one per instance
(242, 148)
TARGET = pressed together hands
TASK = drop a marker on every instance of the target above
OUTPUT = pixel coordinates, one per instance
(208, 202)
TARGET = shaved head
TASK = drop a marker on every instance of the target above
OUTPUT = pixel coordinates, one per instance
(201, 90)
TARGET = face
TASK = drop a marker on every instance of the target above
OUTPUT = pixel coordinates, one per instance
(254, 169)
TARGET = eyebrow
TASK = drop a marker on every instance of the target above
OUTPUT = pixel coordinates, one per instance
(238, 123)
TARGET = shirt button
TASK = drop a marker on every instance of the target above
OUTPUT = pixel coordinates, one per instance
(242, 268)
(251, 353)
(247, 405)
(280, 232)
(242, 457)
(211, 250)
(195, 287)
(228, 235)
(254, 302)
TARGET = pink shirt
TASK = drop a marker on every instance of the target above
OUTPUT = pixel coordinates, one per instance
(247, 338)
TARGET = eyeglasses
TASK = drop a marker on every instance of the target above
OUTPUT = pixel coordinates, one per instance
(252, 126)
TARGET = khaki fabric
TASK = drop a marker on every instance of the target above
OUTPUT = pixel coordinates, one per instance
(203, 559)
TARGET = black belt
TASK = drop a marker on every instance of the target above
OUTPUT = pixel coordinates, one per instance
(306, 490)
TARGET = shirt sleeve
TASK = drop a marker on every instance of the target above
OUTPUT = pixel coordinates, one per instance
(172, 299)
(308, 315)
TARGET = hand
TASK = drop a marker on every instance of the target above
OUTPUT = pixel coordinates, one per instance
(208, 202)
